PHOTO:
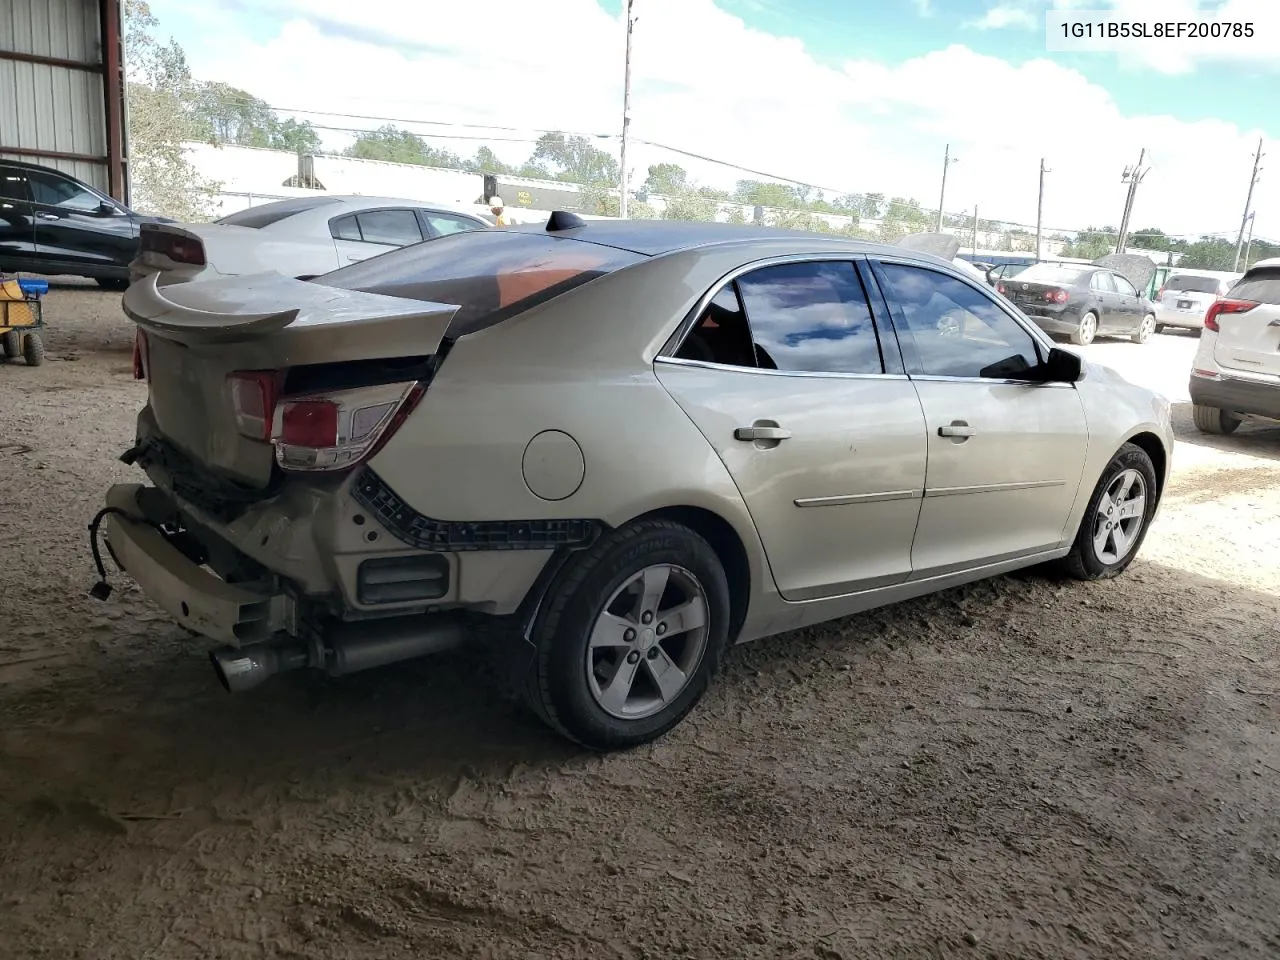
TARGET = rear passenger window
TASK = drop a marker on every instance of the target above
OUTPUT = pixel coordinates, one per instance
(397, 228)
(345, 228)
(811, 317)
(1261, 286)
(721, 334)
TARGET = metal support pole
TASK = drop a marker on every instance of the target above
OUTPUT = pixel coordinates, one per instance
(626, 117)
(1040, 207)
(1248, 202)
(947, 160)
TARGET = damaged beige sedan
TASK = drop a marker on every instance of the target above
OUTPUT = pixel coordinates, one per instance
(616, 447)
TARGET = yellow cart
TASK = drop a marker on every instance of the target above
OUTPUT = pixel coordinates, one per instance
(21, 319)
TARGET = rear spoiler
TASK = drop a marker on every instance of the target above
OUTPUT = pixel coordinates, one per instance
(302, 321)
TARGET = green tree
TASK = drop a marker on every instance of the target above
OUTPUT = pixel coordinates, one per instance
(486, 161)
(735, 215)
(871, 206)
(163, 101)
(393, 145)
(1153, 238)
(690, 206)
(574, 159)
(1209, 253)
(227, 114)
(667, 179)
(1092, 243)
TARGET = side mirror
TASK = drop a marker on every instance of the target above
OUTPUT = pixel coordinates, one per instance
(106, 209)
(1062, 366)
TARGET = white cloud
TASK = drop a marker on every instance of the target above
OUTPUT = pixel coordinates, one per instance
(1004, 15)
(708, 83)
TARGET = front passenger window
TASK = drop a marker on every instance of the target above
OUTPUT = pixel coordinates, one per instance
(958, 330)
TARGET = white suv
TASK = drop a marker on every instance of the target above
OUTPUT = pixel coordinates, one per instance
(1236, 372)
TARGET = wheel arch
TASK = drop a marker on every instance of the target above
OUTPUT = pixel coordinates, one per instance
(1153, 447)
(729, 548)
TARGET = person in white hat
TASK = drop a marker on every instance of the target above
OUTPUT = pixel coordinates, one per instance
(499, 212)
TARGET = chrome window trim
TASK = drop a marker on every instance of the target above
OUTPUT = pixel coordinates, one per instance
(686, 325)
(810, 374)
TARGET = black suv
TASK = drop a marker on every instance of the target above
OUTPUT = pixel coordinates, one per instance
(53, 224)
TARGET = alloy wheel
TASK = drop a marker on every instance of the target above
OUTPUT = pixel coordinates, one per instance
(1122, 510)
(647, 642)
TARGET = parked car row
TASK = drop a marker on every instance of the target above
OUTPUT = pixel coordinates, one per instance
(52, 223)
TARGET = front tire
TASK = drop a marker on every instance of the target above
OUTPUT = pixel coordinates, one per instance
(1214, 421)
(631, 637)
(1116, 520)
(11, 344)
(1086, 330)
(1145, 329)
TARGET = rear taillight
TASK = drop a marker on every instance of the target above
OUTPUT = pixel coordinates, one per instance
(140, 358)
(178, 248)
(253, 398)
(338, 429)
(999, 288)
(1057, 296)
(1219, 307)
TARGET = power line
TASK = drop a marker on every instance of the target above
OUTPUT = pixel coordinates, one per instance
(488, 137)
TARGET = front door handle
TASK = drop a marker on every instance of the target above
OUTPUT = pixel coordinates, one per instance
(41, 215)
(958, 429)
(761, 433)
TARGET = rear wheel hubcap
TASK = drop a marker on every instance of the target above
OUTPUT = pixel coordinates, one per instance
(648, 641)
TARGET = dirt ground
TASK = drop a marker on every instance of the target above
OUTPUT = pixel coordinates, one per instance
(1024, 767)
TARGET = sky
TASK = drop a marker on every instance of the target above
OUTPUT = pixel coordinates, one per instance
(855, 96)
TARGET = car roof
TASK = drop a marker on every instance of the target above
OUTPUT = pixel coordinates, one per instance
(1268, 264)
(655, 237)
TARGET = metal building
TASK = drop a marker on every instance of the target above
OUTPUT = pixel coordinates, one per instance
(62, 89)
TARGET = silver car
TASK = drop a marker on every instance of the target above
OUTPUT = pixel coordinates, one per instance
(615, 447)
(1187, 295)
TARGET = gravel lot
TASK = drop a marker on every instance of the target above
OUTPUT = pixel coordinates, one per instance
(1024, 767)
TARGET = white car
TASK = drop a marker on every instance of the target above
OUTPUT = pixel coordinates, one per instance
(302, 238)
(1236, 372)
(1186, 296)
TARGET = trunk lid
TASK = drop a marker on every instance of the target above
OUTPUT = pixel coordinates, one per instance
(198, 334)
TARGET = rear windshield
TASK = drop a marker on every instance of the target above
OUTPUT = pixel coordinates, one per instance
(1183, 283)
(1050, 273)
(1261, 286)
(490, 274)
(269, 213)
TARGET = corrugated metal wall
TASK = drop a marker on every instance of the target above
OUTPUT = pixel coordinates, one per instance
(54, 108)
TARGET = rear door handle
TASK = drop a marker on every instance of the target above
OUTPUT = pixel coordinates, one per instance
(956, 428)
(761, 433)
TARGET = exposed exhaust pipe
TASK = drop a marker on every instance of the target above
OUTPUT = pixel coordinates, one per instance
(348, 648)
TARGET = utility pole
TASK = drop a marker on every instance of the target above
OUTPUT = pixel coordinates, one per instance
(1132, 176)
(975, 229)
(1248, 202)
(947, 160)
(1040, 206)
(626, 117)
(1247, 244)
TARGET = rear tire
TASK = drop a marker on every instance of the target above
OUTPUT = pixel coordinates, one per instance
(1214, 421)
(1145, 329)
(1086, 330)
(1109, 538)
(11, 344)
(613, 589)
(33, 349)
